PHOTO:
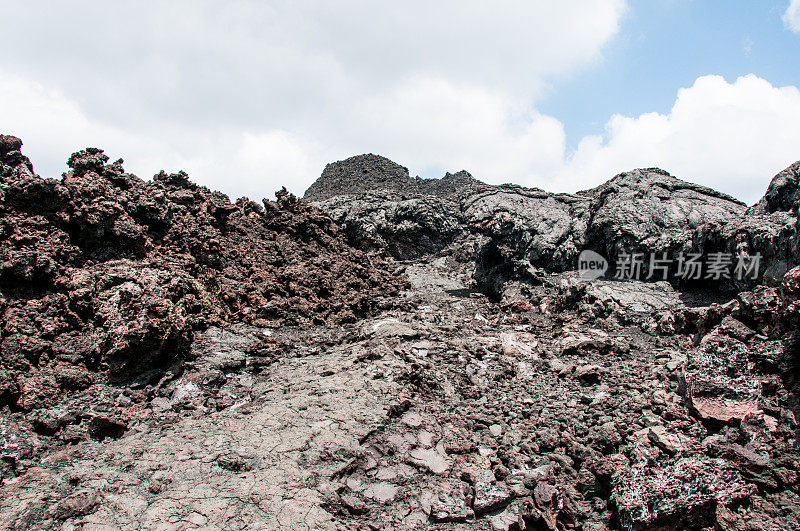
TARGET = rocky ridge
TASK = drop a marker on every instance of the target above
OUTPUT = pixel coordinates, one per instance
(519, 231)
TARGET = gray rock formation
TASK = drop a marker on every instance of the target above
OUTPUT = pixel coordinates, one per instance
(512, 231)
(649, 210)
(783, 193)
(769, 228)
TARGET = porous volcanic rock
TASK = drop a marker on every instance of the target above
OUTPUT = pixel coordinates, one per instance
(105, 277)
(359, 174)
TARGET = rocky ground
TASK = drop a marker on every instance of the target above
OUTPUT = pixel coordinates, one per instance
(473, 381)
(453, 412)
(106, 280)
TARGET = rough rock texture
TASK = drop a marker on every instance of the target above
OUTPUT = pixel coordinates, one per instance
(512, 231)
(651, 211)
(558, 403)
(565, 412)
(783, 193)
(216, 449)
(107, 278)
(368, 172)
(379, 206)
(770, 227)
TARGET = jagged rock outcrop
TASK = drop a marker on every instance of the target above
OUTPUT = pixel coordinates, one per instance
(783, 193)
(518, 230)
(645, 211)
(649, 210)
(769, 228)
(105, 277)
(379, 206)
(406, 227)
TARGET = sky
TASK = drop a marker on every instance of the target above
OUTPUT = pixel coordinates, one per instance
(251, 95)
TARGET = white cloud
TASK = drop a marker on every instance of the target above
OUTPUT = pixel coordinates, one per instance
(259, 95)
(287, 158)
(239, 162)
(199, 84)
(731, 136)
(791, 17)
(192, 52)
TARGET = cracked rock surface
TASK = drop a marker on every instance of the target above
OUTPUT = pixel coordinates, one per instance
(267, 461)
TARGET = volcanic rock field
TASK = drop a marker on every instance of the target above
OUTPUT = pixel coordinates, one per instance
(391, 352)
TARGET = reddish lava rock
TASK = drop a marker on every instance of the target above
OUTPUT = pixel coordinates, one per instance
(104, 276)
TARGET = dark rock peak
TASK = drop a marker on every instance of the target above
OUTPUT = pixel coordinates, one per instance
(783, 193)
(359, 174)
(374, 173)
(11, 158)
(8, 144)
